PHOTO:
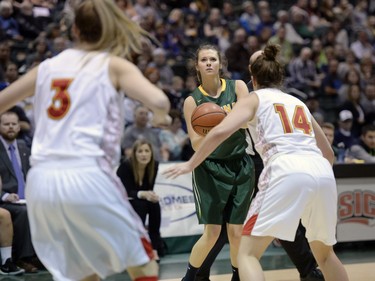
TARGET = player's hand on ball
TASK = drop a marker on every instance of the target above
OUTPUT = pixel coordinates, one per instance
(177, 170)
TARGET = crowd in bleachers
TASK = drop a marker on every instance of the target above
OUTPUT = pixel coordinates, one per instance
(327, 46)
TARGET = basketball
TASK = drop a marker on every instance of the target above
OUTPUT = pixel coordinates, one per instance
(205, 117)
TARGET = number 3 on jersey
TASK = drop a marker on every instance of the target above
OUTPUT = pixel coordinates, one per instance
(299, 120)
(61, 100)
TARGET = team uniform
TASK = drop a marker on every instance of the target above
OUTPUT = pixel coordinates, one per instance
(223, 183)
(80, 218)
(297, 181)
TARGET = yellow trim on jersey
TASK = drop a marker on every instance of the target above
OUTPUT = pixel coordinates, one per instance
(223, 87)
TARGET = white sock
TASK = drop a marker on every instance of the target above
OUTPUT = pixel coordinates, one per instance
(6, 253)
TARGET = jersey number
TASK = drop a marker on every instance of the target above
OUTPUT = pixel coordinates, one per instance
(299, 120)
(61, 100)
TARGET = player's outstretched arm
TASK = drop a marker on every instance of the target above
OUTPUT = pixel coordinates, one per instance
(127, 77)
(242, 112)
(19, 90)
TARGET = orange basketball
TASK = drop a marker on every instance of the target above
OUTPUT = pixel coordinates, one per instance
(206, 116)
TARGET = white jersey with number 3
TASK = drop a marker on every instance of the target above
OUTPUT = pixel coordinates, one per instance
(282, 125)
(77, 110)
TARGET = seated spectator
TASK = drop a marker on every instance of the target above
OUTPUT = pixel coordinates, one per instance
(7, 266)
(368, 103)
(343, 135)
(362, 46)
(291, 34)
(352, 103)
(238, 55)
(329, 132)
(365, 149)
(27, 23)
(174, 137)
(249, 19)
(14, 165)
(138, 174)
(40, 53)
(332, 83)
(7, 22)
(159, 62)
(177, 93)
(142, 130)
(286, 51)
(303, 74)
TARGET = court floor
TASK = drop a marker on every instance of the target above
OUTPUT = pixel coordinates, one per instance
(358, 258)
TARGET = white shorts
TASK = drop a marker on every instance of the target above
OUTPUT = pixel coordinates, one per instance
(294, 187)
(81, 221)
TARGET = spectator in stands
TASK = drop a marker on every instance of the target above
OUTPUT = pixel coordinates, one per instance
(41, 52)
(349, 63)
(253, 44)
(59, 44)
(359, 15)
(177, 94)
(318, 55)
(341, 34)
(142, 130)
(14, 165)
(362, 46)
(238, 55)
(286, 47)
(367, 70)
(313, 104)
(215, 30)
(4, 58)
(344, 12)
(138, 174)
(291, 34)
(332, 83)
(300, 19)
(343, 135)
(27, 24)
(230, 16)
(127, 7)
(8, 23)
(352, 77)
(329, 132)
(368, 103)
(159, 61)
(352, 103)
(144, 7)
(174, 137)
(193, 33)
(43, 13)
(249, 19)
(303, 74)
(365, 149)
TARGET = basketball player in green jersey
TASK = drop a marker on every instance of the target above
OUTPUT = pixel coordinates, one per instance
(223, 183)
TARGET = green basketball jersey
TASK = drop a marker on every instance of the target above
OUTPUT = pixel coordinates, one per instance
(235, 145)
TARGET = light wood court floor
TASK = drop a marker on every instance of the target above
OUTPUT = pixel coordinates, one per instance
(357, 272)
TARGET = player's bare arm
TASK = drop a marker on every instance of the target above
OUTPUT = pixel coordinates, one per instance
(24, 87)
(195, 139)
(127, 77)
(241, 89)
(242, 112)
(322, 142)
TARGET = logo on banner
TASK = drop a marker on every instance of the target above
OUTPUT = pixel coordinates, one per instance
(177, 200)
(357, 206)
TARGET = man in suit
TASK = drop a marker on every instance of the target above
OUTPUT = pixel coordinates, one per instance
(14, 152)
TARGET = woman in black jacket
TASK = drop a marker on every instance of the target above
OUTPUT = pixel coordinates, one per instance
(138, 175)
